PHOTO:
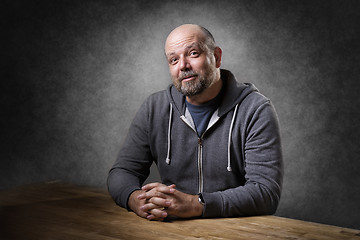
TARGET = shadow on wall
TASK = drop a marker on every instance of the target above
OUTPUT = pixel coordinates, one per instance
(75, 73)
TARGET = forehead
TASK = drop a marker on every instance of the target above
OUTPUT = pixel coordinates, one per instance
(182, 40)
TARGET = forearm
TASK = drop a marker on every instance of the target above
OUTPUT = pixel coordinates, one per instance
(249, 200)
(132, 165)
(120, 185)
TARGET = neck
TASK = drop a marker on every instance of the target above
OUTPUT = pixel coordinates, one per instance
(211, 92)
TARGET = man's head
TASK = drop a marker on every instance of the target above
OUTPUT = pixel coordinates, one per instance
(194, 59)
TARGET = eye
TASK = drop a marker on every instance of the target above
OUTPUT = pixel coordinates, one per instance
(172, 60)
(194, 53)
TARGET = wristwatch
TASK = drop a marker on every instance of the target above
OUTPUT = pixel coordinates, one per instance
(201, 199)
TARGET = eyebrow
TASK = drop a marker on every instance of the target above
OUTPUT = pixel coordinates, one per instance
(191, 45)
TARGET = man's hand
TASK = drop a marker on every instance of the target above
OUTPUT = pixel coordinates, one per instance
(135, 204)
(151, 211)
(172, 201)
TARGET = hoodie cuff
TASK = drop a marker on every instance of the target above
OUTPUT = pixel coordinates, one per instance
(213, 205)
(126, 195)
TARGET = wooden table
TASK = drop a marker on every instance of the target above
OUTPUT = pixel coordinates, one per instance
(57, 210)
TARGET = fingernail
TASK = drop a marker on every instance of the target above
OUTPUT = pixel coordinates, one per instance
(172, 190)
(142, 208)
(164, 214)
(140, 196)
(167, 203)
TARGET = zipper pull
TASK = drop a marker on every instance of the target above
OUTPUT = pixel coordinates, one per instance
(199, 141)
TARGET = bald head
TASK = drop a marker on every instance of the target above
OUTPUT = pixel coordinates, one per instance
(194, 31)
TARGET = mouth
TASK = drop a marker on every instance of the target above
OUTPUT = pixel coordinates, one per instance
(189, 78)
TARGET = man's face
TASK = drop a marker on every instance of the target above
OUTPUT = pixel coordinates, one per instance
(192, 66)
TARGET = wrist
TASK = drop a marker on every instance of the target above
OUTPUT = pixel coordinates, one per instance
(132, 203)
(201, 199)
(198, 206)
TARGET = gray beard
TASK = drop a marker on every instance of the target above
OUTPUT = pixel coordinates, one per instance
(193, 88)
(197, 86)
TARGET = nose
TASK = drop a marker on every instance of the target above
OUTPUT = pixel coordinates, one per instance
(184, 64)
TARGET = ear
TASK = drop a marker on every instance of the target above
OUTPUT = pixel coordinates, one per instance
(218, 54)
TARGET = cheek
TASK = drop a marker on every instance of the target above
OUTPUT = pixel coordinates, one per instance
(201, 64)
(173, 72)
(202, 67)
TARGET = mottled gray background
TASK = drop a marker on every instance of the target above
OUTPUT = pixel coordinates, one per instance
(73, 74)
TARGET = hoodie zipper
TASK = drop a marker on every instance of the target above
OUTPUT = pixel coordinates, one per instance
(200, 170)
(199, 158)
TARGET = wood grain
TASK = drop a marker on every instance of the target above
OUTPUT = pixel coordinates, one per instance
(57, 210)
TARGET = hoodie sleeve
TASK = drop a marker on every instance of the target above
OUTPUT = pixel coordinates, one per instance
(132, 165)
(260, 194)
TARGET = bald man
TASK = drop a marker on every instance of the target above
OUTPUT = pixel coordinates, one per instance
(215, 141)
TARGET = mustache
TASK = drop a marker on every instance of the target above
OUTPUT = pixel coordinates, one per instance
(187, 74)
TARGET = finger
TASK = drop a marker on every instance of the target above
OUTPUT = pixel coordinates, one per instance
(150, 186)
(165, 189)
(161, 202)
(156, 214)
(153, 218)
(149, 206)
(143, 214)
(140, 211)
(148, 195)
(160, 192)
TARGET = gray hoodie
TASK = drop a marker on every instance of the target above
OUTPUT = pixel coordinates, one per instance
(236, 164)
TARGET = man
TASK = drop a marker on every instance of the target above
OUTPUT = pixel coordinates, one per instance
(215, 141)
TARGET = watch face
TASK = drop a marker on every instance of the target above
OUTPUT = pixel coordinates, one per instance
(201, 199)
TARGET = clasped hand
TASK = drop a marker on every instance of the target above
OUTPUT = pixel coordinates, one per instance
(156, 201)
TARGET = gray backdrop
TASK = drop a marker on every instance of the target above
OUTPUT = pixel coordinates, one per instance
(74, 73)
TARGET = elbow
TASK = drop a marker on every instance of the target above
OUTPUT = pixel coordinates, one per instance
(271, 209)
(266, 199)
(266, 207)
(270, 203)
